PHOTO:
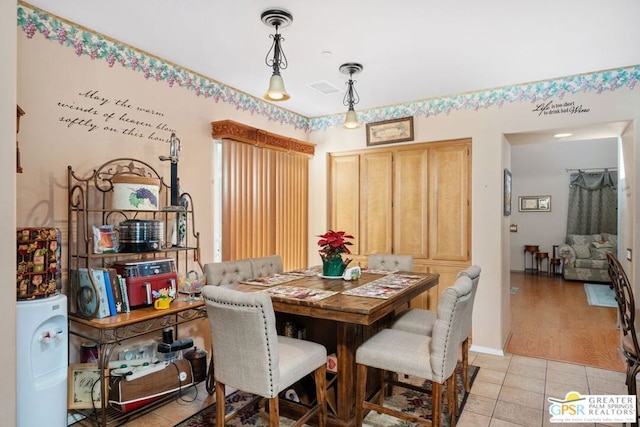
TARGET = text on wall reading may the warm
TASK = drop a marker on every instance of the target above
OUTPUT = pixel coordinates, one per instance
(93, 111)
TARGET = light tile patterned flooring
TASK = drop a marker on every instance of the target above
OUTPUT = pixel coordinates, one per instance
(508, 391)
(513, 390)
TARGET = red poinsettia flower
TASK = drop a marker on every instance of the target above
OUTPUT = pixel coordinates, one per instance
(333, 243)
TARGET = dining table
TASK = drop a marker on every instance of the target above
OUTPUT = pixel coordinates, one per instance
(348, 312)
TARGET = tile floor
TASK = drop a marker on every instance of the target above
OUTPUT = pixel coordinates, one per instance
(508, 391)
(513, 390)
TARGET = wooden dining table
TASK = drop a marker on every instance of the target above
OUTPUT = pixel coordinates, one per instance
(342, 321)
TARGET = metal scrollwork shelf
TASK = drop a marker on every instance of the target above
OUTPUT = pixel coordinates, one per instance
(107, 333)
(91, 203)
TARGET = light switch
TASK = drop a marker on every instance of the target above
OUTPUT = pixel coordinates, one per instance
(513, 228)
(628, 254)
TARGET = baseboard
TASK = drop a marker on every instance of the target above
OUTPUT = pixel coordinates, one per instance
(487, 350)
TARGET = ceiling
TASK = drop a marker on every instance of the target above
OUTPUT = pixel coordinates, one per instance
(410, 49)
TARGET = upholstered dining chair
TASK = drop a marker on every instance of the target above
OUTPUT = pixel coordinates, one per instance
(266, 266)
(227, 272)
(433, 358)
(250, 356)
(390, 262)
(421, 321)
(626, 311)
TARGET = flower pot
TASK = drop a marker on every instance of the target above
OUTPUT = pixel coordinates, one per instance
(162, 303)
(333, 267)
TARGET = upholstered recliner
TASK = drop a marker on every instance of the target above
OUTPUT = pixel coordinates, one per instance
(390, 262)
(585, 256)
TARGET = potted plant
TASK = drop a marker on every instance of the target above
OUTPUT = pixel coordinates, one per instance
(332, 245)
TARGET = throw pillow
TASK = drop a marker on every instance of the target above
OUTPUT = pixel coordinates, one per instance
(582, 251)
(599, 254)
(602, 244)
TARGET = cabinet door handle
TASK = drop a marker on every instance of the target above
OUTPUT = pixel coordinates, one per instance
(147, 288)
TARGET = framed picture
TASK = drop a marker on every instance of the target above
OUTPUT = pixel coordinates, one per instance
(507, 193)
(388, 131)
(83, 390)
(534, 203)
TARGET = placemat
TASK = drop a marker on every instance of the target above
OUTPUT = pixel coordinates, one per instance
(276, 279)
(299, 293)
(385, 287)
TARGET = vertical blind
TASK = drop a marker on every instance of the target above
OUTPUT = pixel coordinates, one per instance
(264, 203)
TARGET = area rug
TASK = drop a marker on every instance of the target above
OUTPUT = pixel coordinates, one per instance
(406, 400)
(601, 295)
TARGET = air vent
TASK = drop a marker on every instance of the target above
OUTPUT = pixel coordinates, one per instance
(324, 87)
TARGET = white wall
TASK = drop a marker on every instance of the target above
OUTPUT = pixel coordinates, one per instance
(49, 71)
(541, 169)
(491, 248)
(8, 208)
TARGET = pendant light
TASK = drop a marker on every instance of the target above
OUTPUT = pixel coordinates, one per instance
(276, 59)
(351, 97)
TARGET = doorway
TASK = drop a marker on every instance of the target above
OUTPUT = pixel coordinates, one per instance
(539, 167)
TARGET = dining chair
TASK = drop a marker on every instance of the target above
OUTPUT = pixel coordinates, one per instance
(627, 311)
(250, 356)
(266, 266)
(227, 272)
(432, 358)
(421, 321)
(390, 262)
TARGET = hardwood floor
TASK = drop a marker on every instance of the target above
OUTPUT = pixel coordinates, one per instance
(551, 319)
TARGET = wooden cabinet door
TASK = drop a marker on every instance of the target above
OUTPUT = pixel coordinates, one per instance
(376, 230)
(449, 204)
(410, 203)
(344, 196)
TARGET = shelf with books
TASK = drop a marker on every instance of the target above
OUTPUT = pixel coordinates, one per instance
(124, 236)
(119, 212)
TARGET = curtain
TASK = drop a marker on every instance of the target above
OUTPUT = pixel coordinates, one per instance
(593, 203)
(264, 203)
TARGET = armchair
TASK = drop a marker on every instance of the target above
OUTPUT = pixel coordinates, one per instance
(584, 256)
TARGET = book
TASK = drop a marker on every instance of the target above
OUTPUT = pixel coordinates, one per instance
(115, 288)
(92, 299)
(101, 279)
(126, 308)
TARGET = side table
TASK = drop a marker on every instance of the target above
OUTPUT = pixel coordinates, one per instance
(531, 249)
(540, 258)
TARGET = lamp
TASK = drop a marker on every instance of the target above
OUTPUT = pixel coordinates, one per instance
(276, 18)
(351, 97)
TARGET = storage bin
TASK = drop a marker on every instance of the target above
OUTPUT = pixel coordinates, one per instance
(38, 263)
(133, 192)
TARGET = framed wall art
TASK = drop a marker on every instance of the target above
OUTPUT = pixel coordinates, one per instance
(506, 211)
(388, 131)
(83, 390)
(534, 203)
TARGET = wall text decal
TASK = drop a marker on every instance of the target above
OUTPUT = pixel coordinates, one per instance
(552, 107)
(92, 110)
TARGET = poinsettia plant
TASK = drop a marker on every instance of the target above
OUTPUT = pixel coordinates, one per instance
(334, 243)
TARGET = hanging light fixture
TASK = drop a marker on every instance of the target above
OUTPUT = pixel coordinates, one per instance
(351, 97)
(276, 59)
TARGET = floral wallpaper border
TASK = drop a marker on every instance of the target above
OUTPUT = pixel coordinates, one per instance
(96, 46)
